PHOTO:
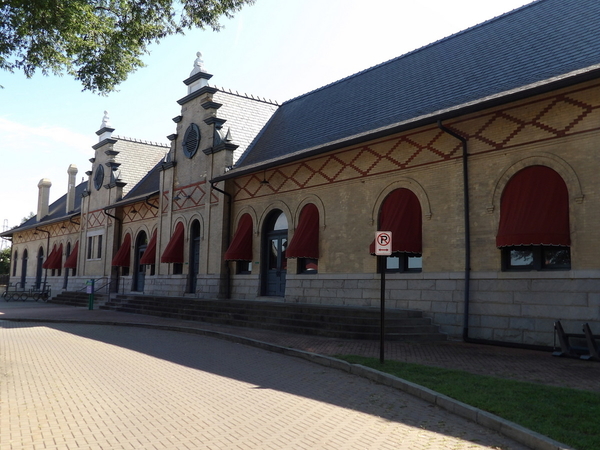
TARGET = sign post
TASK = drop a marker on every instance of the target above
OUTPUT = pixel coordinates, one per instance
(383, 249)
(89, 288)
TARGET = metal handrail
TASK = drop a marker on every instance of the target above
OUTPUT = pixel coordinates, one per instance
(95, 288)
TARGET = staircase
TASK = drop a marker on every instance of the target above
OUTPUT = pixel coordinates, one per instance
(328, 321)
(78, 299)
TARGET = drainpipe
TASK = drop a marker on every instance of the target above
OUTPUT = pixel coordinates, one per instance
(467, 275)
(227, 237)
(147, 201)
(47, 250)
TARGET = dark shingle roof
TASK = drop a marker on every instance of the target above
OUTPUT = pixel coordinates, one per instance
(536, 42)
(245, 117)
(147, 186)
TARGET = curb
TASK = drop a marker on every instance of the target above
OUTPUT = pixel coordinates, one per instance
(525, 436)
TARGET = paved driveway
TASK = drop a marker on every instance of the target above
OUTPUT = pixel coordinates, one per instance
(74, 386)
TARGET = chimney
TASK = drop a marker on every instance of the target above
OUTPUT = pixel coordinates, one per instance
(43, 198)
(72, 171)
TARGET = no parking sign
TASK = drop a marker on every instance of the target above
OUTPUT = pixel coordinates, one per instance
(383, 243)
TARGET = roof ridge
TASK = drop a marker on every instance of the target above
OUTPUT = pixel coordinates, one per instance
(431, 44)
(244, 95)
(141, 141)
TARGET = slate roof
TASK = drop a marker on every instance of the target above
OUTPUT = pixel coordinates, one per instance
(56, 212)
(245, 117)
(515, 52)
(149, 185)
(137, 158)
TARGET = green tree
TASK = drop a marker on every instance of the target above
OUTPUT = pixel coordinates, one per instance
(5, 261)
(99, 42)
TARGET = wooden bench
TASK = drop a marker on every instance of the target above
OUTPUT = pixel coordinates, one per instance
(572, 344)
(591, 340)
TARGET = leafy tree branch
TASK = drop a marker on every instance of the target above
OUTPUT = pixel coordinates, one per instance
(98, 42)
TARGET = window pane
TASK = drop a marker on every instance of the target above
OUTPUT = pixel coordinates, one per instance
(556, 257)
(245, 266)
(392, 263)
(281, 223)
(521, 257)
(415, 262)
(309, 265)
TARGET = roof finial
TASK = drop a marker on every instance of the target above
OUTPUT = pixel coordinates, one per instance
(105, 121)
(198, 64)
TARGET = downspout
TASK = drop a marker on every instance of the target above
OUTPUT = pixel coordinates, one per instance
(47, 250)
(227, 237)
(147, 202)
(467, 274)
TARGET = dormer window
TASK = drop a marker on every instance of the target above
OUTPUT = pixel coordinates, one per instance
(191, 140)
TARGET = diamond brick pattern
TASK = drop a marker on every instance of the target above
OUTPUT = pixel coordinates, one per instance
(542, 119)
(95, 218)
(140, 211)
(192, 196)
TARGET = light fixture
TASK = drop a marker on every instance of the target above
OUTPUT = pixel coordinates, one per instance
(133, 211)
(264, 181)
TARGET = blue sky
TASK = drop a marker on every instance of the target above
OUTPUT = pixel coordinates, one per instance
(277, 49)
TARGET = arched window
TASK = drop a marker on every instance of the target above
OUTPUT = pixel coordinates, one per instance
(305, 243)
(533, 233)
(401, 214)
(240, 249)
(14, 263)
(24, 268)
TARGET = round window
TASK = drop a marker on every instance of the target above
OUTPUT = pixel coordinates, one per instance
(99, 177)
(191, 140)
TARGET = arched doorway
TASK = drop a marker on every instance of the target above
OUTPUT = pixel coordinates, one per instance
(274, 262)
(194, 256)
(39, 268)
(139, 270)
(24, 268)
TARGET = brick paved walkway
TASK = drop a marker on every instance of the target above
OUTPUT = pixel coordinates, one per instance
(518, 364)
(90, 386)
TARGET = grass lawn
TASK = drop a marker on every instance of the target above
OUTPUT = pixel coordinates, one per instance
(567, 415)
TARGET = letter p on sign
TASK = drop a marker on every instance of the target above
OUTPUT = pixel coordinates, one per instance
(383, 243)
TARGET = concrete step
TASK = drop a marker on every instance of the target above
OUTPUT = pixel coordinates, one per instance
(321, 320)
(78, 299)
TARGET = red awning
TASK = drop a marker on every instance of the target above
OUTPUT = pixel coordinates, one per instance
(46, 264)
(122, 258)
(57, 260)
(401, 214)
(71, 262)
(149, 256)
(174, 251)
(54, 260)
(240, 248)
(305, 243)
(534, 209)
